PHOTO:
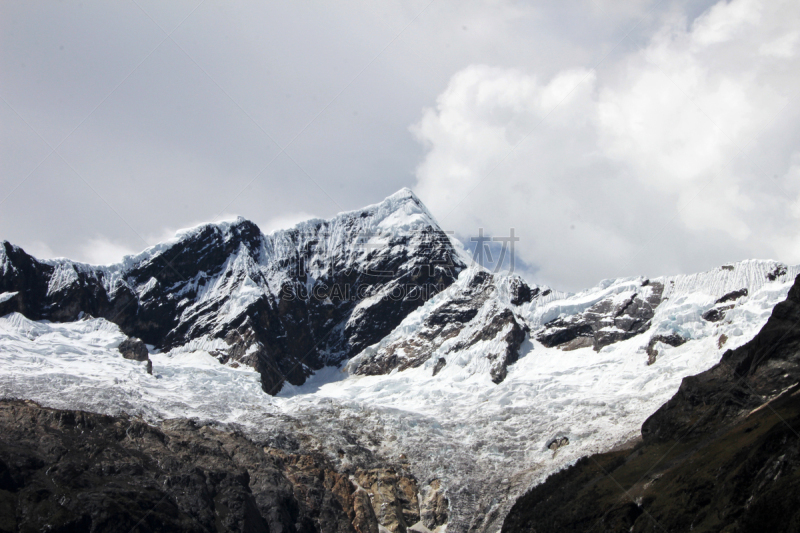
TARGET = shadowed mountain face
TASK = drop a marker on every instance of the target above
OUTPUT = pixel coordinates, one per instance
(286, 303)
(722, 455)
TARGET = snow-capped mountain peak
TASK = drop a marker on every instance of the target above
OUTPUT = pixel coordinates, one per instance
(381, 346)
(285, 303)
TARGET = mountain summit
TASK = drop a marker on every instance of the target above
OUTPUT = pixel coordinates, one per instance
(286, 303)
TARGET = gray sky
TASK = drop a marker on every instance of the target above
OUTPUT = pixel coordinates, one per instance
(617, 138)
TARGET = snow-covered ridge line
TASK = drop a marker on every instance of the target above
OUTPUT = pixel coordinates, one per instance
(671, 306)
(714, 283)
(378, 212)
(315, 292)
(387, 206)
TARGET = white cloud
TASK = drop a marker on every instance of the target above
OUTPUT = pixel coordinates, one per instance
(284, 221)
(782, 47)
(725, 21)
(672, 158)
(103, 251)
(39, 250)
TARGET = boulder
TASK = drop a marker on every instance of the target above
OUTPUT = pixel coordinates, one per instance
(136, 350)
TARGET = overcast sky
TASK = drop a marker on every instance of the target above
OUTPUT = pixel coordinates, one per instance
(616, 138)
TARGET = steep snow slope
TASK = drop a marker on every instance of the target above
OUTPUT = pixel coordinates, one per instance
(485, 441)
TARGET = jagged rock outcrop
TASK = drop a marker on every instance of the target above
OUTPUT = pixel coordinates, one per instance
(434, 506)
(285, 303)
(777, 272)
(557, 443)
(76, 471)
(469, 316)
(717, 312)
(520, 292)
(721, 455)
(134, 349)
(615, 318)
(393, 497)
(672, 339)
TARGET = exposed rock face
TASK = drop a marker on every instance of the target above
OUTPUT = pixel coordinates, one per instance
(443, 324)
(610, 320)
(285, 303)
(521, 292)
(440, 364)
(434, 506)
(558, 443)
(717, 312)
(469, 317)
(721, 455)
(733, 295)
(722, 340)
(135, 349)
(672, 339)
(777, 272)
(504, 327)
(77, 471)
(393, 497)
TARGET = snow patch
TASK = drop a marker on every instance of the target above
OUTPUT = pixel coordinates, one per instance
(6, 296)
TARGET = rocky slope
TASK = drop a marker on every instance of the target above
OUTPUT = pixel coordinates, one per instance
(76, 471)
(286, 304)
(468, 318)
(612, 319)
(722, 455)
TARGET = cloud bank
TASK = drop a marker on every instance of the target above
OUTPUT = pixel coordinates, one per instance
(677, 156)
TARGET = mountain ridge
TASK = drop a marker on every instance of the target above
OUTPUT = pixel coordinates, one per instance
(471, 384)
(230, 281)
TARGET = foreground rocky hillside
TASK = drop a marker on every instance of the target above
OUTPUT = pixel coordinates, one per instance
(76, 471)
(722, 455)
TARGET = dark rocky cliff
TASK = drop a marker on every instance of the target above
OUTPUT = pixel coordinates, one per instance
(72, 471)
(467, 316)
(606, 322)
